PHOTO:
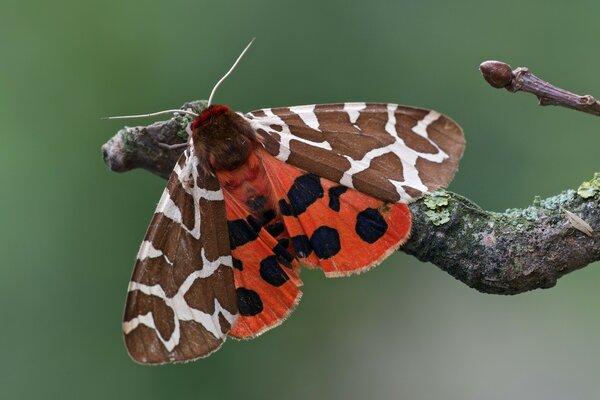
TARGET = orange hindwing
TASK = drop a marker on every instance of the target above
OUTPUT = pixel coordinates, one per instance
(280, 217)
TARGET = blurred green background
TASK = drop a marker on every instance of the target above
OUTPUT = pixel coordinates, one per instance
(70, 229)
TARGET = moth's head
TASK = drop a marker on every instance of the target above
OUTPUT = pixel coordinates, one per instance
(208, 116)
(223, 139)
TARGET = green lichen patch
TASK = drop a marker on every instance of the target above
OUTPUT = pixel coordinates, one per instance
(437, 203)
(438, 217)
(182, 134)
(437, 199)
(556, 203)
(519, 215)
(590, 188)
(184, 119)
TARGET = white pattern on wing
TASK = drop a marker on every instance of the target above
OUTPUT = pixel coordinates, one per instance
(181, 310)
(188, 177)
(307, 115)
(147, 250)
(353, 110)
(421, 130)
(168, 207)
(265, 123)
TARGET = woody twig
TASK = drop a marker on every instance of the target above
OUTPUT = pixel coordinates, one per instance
(500, 75)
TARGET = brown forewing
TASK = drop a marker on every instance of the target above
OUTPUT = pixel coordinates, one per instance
(181, 300)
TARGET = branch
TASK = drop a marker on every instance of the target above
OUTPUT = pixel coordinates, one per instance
(499, 75)
(502, 253)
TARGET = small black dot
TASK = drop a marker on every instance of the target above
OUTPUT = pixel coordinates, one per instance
(283, 254)
(301, 246)
(285, 208)
(275, 229)
(237, 264)
(370, 225)
(240, 233)
(254, 223)
(285, 242)
(271, 271)
(326, 242)
(334, 197)
(267, 216)
(249, 302)
(256, 204)
(305, 191)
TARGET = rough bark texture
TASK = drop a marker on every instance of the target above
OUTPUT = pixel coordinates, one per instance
(140, 146)
(510, 252)
(501, 253)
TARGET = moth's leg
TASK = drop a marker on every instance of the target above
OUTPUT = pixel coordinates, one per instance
(173, 146)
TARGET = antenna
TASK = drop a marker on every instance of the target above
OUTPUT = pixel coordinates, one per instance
(212, 94)
(152, 114)
(228, 72)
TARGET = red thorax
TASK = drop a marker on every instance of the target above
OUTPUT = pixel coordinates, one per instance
(207, 115)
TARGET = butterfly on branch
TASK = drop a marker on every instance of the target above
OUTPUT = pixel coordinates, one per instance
(256, 196)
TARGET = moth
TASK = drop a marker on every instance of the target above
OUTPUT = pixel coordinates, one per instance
(257, 196)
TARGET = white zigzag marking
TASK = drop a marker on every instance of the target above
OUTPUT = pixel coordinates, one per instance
(408, 156)
(147, 250)
(264, 123)
(167, 207)
(353, 110)
(181, 310)
(421, 127)
(307, 115)
(421, 130)
(188, 178)
(390, 125)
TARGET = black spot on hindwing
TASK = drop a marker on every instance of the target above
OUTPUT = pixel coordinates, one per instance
(256, 204)
(240, 233)
(271, 271)
(285, 208)
(370, 225)
(301, 246)
(267, 216)
(334, 197)
(284, 242)
(254, 223)
(275, 229)
(249, 302)
(305, 190)
(326, 242)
